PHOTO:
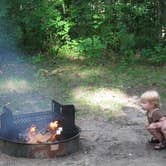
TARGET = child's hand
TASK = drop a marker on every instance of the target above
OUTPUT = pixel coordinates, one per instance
(163, 118)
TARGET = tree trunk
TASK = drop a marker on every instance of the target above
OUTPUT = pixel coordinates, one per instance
(162, 19)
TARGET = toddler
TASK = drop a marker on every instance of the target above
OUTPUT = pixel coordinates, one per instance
(150, 102)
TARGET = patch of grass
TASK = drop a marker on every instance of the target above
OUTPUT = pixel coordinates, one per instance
(100, 88)
(81, 84)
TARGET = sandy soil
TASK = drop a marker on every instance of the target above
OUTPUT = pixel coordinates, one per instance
(121, 141)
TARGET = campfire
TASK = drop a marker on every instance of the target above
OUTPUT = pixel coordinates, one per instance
(43, 134)
(33, 135)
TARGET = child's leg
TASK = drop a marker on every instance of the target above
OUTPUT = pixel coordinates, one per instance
(154, 129)
(158, 130)
(163, 128)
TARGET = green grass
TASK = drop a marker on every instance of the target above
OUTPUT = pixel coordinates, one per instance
(98, 87)
(89, 86)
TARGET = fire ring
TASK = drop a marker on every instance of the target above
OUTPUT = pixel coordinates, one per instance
(43, 143)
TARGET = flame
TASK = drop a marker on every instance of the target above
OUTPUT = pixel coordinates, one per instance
(31, 132)
(58, 132)
(32, 129)
(35, 135)
(53, 125)
(53, 137)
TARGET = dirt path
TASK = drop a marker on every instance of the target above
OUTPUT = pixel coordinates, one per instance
(121, 141)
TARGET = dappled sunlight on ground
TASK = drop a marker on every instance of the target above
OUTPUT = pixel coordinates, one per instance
(105, 99)
(14, 85)
(104, 89)
(20, 96)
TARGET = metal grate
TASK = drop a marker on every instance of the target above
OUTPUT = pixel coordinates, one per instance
(12, 125)
(13, 140)
(39, 118)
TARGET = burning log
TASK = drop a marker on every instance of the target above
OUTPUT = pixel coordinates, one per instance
(35, 136)
(39, 138)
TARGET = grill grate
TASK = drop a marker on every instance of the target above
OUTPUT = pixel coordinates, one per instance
(11, 126)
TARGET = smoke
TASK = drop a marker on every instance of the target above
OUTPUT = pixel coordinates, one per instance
(18, 79)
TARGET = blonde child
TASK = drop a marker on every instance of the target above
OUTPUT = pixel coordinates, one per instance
(150, 102)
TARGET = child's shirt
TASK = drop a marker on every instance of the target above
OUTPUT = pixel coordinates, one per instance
(154, 116)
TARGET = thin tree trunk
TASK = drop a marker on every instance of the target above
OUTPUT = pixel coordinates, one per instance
(162, 19)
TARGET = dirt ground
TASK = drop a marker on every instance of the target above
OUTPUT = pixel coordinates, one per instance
(121, 141)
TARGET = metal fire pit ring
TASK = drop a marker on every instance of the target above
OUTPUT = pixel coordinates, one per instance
(44, 150)
(11, 126)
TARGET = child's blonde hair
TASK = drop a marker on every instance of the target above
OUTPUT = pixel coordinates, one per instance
(152, 97)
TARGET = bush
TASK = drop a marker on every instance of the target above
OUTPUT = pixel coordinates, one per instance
(41, 22)
(155, 55)
(91, 47)
(116, 26)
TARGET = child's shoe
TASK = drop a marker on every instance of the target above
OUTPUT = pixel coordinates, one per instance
(160, 146)
(153, 141)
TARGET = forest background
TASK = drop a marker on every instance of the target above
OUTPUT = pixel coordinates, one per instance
(125, 30)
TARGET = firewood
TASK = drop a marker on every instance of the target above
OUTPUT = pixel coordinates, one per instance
(40, 138)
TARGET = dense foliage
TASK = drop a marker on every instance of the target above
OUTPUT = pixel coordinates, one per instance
(127, 28)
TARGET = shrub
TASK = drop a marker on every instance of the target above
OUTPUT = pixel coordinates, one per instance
(91, 47)
(156, 55)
